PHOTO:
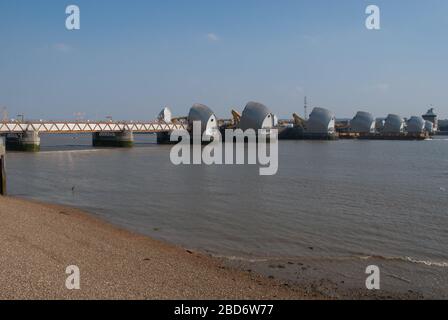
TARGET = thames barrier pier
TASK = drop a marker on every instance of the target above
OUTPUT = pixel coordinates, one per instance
(123, 139)
(26, 141)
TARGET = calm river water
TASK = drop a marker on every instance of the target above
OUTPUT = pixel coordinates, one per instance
(329, 200)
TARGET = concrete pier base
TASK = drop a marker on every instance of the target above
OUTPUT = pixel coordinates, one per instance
(298, 133)
(28, 141)
(164, 138)
(395, 136)
(123, 139)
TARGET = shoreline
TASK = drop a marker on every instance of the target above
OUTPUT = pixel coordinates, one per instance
(39, 240)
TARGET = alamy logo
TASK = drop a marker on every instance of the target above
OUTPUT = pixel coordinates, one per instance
(373, 20)
(373, 280)
(73, 21)
(261, 148)
(73, 281)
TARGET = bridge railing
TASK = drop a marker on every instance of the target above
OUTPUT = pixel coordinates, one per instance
(89, 126)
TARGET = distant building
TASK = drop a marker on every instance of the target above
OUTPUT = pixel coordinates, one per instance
(416, 125)
(321, 121)
(443, 125)
(275, 120)
(431, 116)
(256, 116)
(202, 113)
(393, 124)
(379, 124)
(363, 122)
(429, 127)
(165, 115)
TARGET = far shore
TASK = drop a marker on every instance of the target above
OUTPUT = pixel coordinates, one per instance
(39, 241)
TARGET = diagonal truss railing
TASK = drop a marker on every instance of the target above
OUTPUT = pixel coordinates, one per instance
(89, 126)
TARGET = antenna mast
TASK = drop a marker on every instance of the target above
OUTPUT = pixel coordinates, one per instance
(306, 108)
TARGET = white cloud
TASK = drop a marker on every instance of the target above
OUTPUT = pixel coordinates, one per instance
(212, 37)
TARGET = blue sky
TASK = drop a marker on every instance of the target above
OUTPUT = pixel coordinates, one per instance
(132, 57)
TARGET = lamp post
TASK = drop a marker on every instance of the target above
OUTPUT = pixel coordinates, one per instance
(2, 167)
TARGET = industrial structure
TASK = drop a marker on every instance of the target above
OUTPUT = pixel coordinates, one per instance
(363, 122)
(165, 115)
(393, 127)
(432, 117)
(203, 114)
(379, 124)
(321, 125)
(256, 116)
(442, 127)
(209, 123)
(321, 121)
(415, 125)
(394, 124)
(429, 127)
(199, 113)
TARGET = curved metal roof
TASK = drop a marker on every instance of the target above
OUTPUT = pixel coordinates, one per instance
(393, 124)
(256, 116)
(321, 121)
(416, 125)
(165, 115)
(199, 112)
(363, 122)
(204, 114)
(429, 126)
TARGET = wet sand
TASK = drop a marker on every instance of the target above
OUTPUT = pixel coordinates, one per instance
(38, 242)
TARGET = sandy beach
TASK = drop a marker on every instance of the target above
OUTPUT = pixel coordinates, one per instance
(38, 242)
